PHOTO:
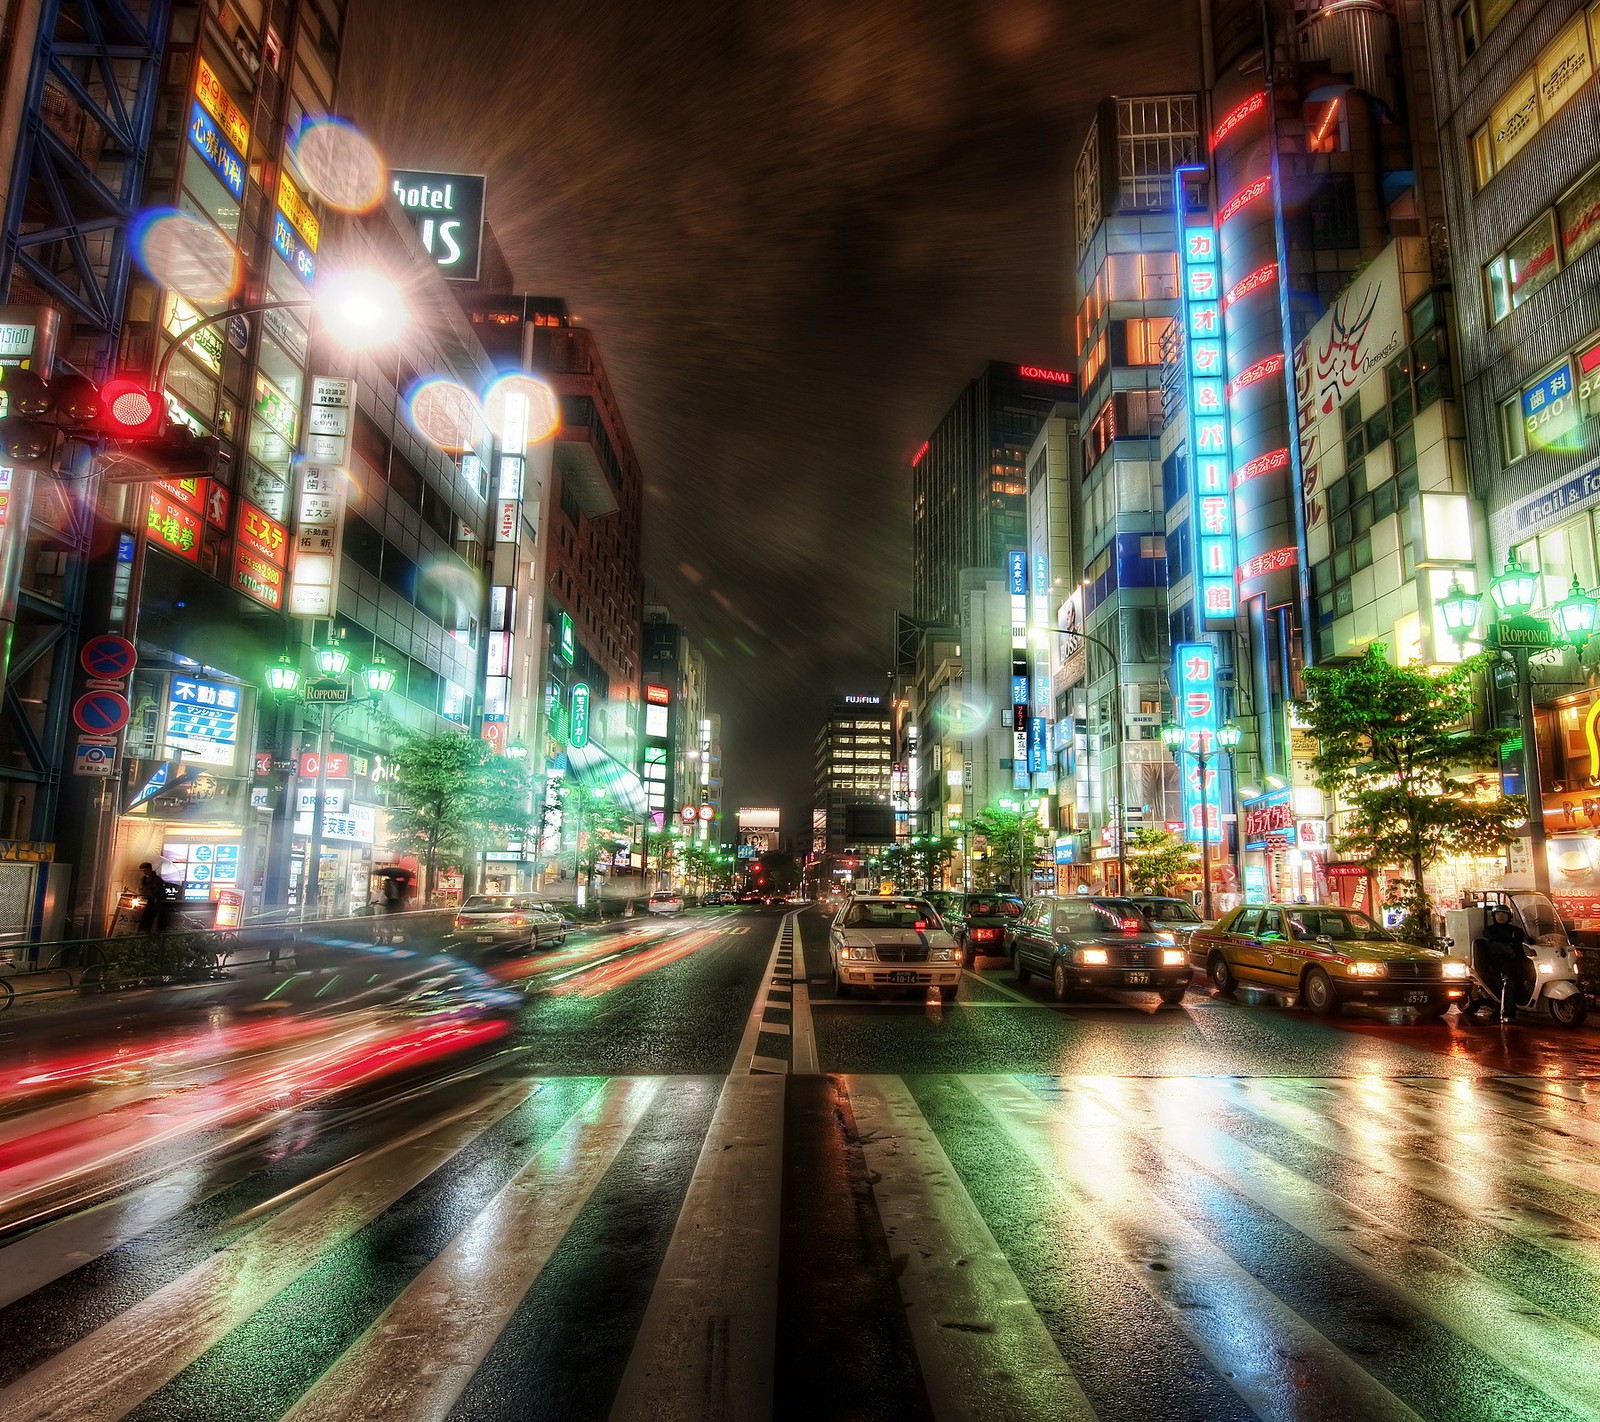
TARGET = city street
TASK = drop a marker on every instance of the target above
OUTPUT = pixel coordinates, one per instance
(660, 1173)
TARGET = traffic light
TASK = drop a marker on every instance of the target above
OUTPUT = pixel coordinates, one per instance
(38, 413)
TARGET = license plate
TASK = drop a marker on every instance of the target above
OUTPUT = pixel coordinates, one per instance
(1416, 999)
(1136, 979)
(486, 938)
(902, 977)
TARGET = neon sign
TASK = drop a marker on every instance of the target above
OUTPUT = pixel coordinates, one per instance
(1194, 680)
(1247, 194)
(1206, 363)
(1254, 282)
(578, 721)
(1261, 464)
(1038, 372)
(917, 458)
(1273, 562)
(1250, 375)
(1236, 116)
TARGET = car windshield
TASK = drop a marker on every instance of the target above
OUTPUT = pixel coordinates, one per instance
(993, 908)
(1333, 924)
(1087, 917)
(901, 913)
(1171, 910)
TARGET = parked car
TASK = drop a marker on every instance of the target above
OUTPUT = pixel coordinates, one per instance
(665, 902)
(981, 924)
(886, 942)
(507, 922)
(750, 896)
(1178, 917)
(1081, 944)
(1327, 956)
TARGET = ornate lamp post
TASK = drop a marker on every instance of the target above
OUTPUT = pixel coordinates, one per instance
(1515, 631)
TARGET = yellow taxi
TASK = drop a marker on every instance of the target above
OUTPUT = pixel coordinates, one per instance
(1327, 956)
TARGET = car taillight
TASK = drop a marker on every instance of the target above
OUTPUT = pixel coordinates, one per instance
(919, 926)
(985, 934)
(459, 922)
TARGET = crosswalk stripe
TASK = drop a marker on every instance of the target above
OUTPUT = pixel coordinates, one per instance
(705, 1347)
(1455, 1178)
(1549, 1355)
(1277, 1362)
(458, 1305)
(1531, 1117)
(104, 1375)
(984, 1350)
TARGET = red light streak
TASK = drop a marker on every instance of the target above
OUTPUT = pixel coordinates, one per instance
(1236, 116)
(1271, 365)
(1262, 464)
(1327, 119)
(1254, 282)
(922, 450)
(1248, 193)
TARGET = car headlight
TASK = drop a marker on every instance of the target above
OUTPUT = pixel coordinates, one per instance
(1093, 957)
(1166, 937)
(942, 955)
(1369, 970)
(1172, 958)
(1454, 968)
(860, 953)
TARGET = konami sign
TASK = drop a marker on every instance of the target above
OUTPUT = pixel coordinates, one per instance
(1039, 372)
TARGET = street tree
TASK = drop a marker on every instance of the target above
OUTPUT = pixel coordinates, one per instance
(452, 797)
(1414, 782)
(1011, 843)
(1159, 860)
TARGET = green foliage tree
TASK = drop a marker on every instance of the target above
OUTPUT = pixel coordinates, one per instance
(1414, 782)
(452, 797)
(1159, 859)
(1011, 843)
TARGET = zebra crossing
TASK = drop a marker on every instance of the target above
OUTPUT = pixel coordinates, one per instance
(776, 1245)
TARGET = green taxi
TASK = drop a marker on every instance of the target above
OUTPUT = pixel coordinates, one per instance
(1327, 956)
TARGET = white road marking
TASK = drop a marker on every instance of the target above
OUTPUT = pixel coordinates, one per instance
(803, 1041)
(985, 1352)
(1276, 1361)
(106, 1374)
(460, 1303)
(705, 1348)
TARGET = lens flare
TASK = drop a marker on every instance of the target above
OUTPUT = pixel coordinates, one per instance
(446, 414)
(343, 167)
(962, 718)
(521, 410)
(361, 308)
(187, 254)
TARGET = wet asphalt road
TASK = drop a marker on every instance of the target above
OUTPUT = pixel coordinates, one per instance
(660, 1173)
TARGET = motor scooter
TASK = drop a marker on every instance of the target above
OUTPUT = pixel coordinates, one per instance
(1555, 989)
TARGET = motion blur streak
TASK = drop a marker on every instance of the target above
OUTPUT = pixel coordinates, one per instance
(608, 976)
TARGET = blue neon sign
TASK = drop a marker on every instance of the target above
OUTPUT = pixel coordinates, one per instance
(1017, 566)
(289, 245)
(1205, 360)
(219, 154)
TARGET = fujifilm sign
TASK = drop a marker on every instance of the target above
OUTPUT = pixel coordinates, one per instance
(447, 211)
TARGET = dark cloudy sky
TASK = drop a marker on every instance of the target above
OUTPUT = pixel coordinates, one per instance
(797, 228)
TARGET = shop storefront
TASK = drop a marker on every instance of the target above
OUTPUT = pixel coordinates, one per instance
(1285, 847)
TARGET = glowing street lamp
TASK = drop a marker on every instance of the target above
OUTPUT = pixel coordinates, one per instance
(1227, 737)
(1515, 590)
(380, 676)
(332, 660)
(283, 677)
(1576, 615)
(1460, 609)
(361, 308)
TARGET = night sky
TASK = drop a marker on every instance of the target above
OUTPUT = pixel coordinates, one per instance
(797, 229)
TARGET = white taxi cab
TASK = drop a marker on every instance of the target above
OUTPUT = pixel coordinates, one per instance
(892, 942)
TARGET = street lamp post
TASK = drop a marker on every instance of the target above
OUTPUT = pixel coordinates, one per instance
(1227, 737)
(1514, 630)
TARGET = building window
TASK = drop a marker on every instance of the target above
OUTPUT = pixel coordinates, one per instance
(1535, 97)
(1513, 440)
(1578, 212)
(1528, 263)
(1476, 20)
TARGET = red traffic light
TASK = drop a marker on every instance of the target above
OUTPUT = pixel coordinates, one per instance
(129, 410)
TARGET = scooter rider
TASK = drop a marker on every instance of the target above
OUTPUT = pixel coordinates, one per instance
(1505, 967)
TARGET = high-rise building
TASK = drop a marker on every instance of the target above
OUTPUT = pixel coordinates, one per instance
(1110, 683)
(678, 721)
(969, 484)
(1319, 155)
(1519, 133)
(852, 773)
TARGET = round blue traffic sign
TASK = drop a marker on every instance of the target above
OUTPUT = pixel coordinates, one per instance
(108, 658)
(100, 712)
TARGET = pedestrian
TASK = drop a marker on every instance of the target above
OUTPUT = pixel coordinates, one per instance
(153, 891)
(1505, 958)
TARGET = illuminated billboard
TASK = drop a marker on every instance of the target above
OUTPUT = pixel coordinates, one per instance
(1194, 685)
(447, 211)
(1206, 370)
